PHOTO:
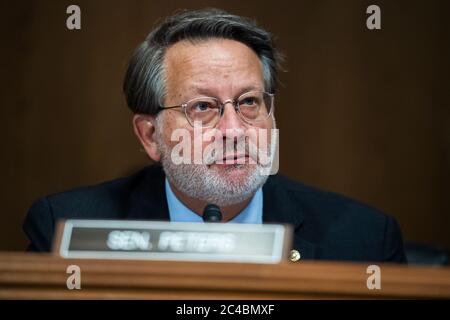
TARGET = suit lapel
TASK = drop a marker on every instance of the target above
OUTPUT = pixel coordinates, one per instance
(148, 200)
(279, 208)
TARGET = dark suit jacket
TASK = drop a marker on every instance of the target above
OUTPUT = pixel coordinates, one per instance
(327, 225)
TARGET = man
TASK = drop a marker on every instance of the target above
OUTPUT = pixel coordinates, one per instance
(209, 71)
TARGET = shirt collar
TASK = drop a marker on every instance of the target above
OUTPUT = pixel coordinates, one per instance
(178, 212)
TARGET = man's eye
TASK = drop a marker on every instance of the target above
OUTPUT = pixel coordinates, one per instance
(202, 106)
(250, 101)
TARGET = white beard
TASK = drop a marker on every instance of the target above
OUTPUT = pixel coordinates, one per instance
(200, 181)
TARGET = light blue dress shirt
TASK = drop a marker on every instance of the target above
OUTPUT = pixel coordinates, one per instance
(178, 212)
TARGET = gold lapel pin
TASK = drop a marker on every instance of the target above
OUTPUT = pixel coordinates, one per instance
(295, 255)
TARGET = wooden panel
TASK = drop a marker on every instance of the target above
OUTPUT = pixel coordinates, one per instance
(30, 276)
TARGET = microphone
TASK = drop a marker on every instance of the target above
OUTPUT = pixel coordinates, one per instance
(212, 213)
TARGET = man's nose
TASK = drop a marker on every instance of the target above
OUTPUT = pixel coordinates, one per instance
(230, 119)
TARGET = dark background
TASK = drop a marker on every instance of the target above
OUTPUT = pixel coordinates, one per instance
(363, 113)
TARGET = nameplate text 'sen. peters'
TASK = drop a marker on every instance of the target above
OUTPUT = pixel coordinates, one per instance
(157, 240)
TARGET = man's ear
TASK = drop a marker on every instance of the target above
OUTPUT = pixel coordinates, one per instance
(144, 128)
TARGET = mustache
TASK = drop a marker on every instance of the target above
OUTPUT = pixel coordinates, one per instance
(239, 149)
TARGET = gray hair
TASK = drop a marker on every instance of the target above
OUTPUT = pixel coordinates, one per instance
(144, 83)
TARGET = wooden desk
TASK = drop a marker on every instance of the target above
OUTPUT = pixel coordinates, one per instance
(43, 276)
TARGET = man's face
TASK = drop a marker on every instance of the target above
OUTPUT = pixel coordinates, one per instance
(223, 69)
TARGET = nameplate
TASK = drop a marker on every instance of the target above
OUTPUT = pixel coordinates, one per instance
(157, 240)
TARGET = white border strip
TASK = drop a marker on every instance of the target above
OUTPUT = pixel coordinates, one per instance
(275, 257)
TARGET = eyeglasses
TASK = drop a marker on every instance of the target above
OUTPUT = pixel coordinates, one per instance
(253, 107)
